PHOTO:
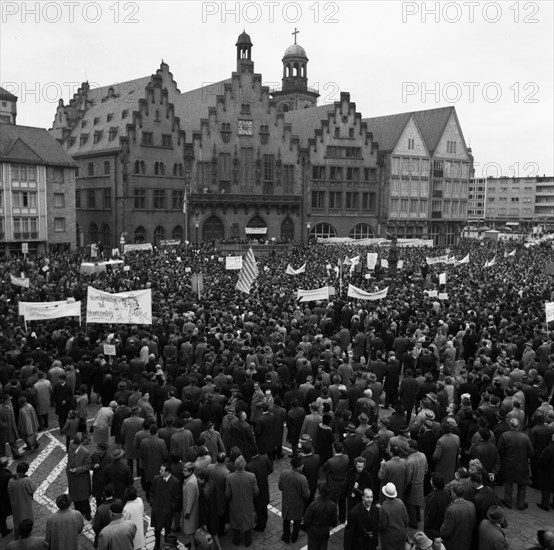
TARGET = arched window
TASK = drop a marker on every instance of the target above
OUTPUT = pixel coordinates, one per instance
(177, 233)
(162, 169)
(285, 108)
(90, 169)
(175, 169)
(156, 168)
(362, 231)
(213, 229)
(323, 230)
(106, 235)
(159, 235)
(93, 230)
(287, 229)
(137, 167)
(181, 171)
(142, 167)
(140, 234)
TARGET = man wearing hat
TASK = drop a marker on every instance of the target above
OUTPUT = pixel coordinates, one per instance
(491, 530)
(422, 541)
(78, 476)
(117, 472)
(119, 533)
(393, 519)
(311, 422)
(64, 526)
(515, 450)
(130, 427)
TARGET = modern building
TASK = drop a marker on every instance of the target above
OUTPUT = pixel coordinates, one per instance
(476, 200)
(424, 171)
(515, 201)
(37, 190)
(234, 159)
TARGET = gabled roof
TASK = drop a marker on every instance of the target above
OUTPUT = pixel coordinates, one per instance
(192, 106)
(32, 145)
(387, 130)
(7, 96)
(306, 121)
(126, 96)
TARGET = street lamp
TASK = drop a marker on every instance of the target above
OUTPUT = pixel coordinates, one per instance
(196, 226)
(308, 226)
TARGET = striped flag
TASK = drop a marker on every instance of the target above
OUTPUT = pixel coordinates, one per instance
(248, 273)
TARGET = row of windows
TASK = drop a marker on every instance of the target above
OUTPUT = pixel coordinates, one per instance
(344, 152)
(326, 230)
(406, 206)
(511, 211)
(104, 234)
(346, 173)
(351, 200)
(92, 169)
(417, 167)
(451, 147)
(148, 140)
(28, 199)
(23, 172)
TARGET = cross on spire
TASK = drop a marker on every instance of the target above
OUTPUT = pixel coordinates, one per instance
(295, 33)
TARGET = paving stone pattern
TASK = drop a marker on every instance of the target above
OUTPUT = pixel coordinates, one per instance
(47, 470)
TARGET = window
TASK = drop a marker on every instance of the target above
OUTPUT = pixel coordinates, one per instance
(159, 199)
(515, 199)
(337, 132)
(159, 234)
(203, 174)
(335, 173)
(404, 206)
(140, 234)
(109, 117)
(344, 152)
(411, 144)
(59, 200)
(318, 172)
(24, 199)
(177, 233)
(25, 227)
(269, 168)
(245, 109)
(323, 230)
(225, 169)
(106, 167)
(368, 202)
(77, 198)
(59, 225)
(264, 129)
(362, 231)
(139, 197)
(147, 138)
(451, 147)
(97, 136)
(352, 200)
(124, 113)
(177, 197)
(167, 140)
(90, 169)
(91, 198)
(83, 123)
(318, 198)
(23, 172)
(83, 139)
(226, 127)
(335, 199)
(112, 134)
(351, 133)
(96, 120)
(107, 199)
(289, 176)
(55, 174)
(247, 165)
(352, 174)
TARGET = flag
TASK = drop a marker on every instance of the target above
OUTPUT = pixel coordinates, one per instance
(464, 260)
(512, 253)
(185, 202)
(248, 273)
(292, 271)
(491, 263)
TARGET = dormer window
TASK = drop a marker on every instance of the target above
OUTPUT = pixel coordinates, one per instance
(83, 139)
(109, 117)
(124, 113)
(97, 136)
(83, 123)
(96, 120)
(113, 133)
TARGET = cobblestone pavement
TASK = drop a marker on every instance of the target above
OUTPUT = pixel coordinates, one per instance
(47, 470)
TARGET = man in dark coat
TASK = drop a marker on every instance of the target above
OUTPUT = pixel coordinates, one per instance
(8, 427)
(336, 471)
(5, 506)
(102, 516)
(435, 504)
(62, 397)
(320, 517)
(546, 475)
(100, 459)
(261, 467)
(265, 432)
(310, 467)
(165, 498)
(296, 492)
(407, 393)
(459, 522)
(515, 450)
(362, 529)
(78, 476)
(153, 454)
(295, 419)
(118, 473)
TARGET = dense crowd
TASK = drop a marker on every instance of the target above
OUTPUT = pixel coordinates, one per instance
(199, 404)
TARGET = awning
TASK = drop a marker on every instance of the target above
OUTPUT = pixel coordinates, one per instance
(255, 230)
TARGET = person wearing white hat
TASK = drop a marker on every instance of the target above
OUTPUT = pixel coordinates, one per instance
(393, 520)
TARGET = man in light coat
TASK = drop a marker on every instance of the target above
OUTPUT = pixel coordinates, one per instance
(64, 526)
(191, 509)
(294, 486)
(119, 533)
(459, 521)
(43, 387)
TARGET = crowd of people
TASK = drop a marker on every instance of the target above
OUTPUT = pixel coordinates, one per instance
(408, 414)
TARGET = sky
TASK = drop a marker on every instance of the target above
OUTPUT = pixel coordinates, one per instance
(494, 61)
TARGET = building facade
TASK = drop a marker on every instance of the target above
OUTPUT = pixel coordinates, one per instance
(37, 192)
(234, 160)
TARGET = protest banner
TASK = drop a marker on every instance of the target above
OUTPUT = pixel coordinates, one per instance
(359, 294)
(124, 308)
(233, 262)
(314, 294)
